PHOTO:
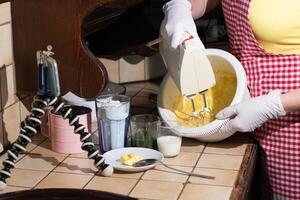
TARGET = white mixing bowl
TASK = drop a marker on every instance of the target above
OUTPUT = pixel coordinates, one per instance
(168, 93)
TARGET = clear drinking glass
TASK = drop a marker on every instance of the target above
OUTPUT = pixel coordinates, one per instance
(144, 129)
(113, 117)
(168, 142)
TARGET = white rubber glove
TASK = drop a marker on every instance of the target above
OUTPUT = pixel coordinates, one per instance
(251, 114)
(177, 22)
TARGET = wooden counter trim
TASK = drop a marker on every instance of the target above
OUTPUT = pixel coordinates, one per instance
(242, 185)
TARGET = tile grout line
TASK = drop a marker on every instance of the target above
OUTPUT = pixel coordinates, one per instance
(27, 153)
(95, 174)
(74, 173)
(140, 89)
(19, 186)
(187, 180)
(164, 181)
(226, 186)
(50, 172)
(2, 107)
(138, 180)
(224, 154)
(5, 108)
(10, 64)
(201, 153)
(5, 23)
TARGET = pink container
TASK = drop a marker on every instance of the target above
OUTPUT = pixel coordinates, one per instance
(63, 138)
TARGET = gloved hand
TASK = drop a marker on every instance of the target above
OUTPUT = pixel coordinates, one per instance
(251, 114)
(178, 21)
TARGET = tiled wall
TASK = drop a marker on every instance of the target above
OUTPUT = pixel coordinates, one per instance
(134, 68)
(10, 106)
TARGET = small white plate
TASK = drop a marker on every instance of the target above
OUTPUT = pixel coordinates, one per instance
(113, 158)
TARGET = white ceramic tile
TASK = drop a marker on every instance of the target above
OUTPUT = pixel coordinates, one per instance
(11, 123)
(139, 85)
(132, 91)
(23, 111)
(1, 132)
(45, 149)
(6, 57)
(5, 156)
(152, 86)
(77, 166)
(154, 67)
(2, 158)
(39, 162)
(13, 189)
(8, 86)
(222, 177)
(0, 92)
(157, 190)
(216, 161)
(25, 177)
(183, 159)
(26, 102)
(112, 67)
(234, 145)
(162, 173)
(5, 13)
(132, 68)
(62, 180)
(110, 184)
(205, 192)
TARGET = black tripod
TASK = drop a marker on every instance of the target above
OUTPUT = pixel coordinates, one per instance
(48, 96)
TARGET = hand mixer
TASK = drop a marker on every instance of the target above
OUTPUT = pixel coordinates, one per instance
(189, 67)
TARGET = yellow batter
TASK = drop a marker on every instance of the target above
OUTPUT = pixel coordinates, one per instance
(218, 97)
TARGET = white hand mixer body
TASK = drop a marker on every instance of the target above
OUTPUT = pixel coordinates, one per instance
(190, 68)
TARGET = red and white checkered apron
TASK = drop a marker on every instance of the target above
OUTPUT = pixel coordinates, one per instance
(279, 139)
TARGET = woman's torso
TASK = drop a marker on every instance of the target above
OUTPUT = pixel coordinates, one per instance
(266, 71)
(276, 25)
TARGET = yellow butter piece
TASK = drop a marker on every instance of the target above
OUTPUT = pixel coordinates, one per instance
(123, 158)
(130, 159)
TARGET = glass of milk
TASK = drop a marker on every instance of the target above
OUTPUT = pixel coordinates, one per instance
(168, 142)
(113, 119)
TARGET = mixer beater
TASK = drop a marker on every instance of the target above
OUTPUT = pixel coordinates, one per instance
(205, 110)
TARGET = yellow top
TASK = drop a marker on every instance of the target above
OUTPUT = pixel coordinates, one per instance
(276, 25)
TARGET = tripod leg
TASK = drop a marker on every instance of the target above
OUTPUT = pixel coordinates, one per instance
(85, 137)
(30, 127)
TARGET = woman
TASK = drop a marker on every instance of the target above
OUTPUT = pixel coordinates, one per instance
(265, 36)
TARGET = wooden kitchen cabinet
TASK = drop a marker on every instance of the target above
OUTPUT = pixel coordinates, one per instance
(74, 28)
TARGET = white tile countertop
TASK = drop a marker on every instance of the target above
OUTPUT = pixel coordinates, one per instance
(231, 162)
(40, 167)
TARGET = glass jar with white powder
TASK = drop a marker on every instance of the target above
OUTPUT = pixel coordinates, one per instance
(113, 117)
